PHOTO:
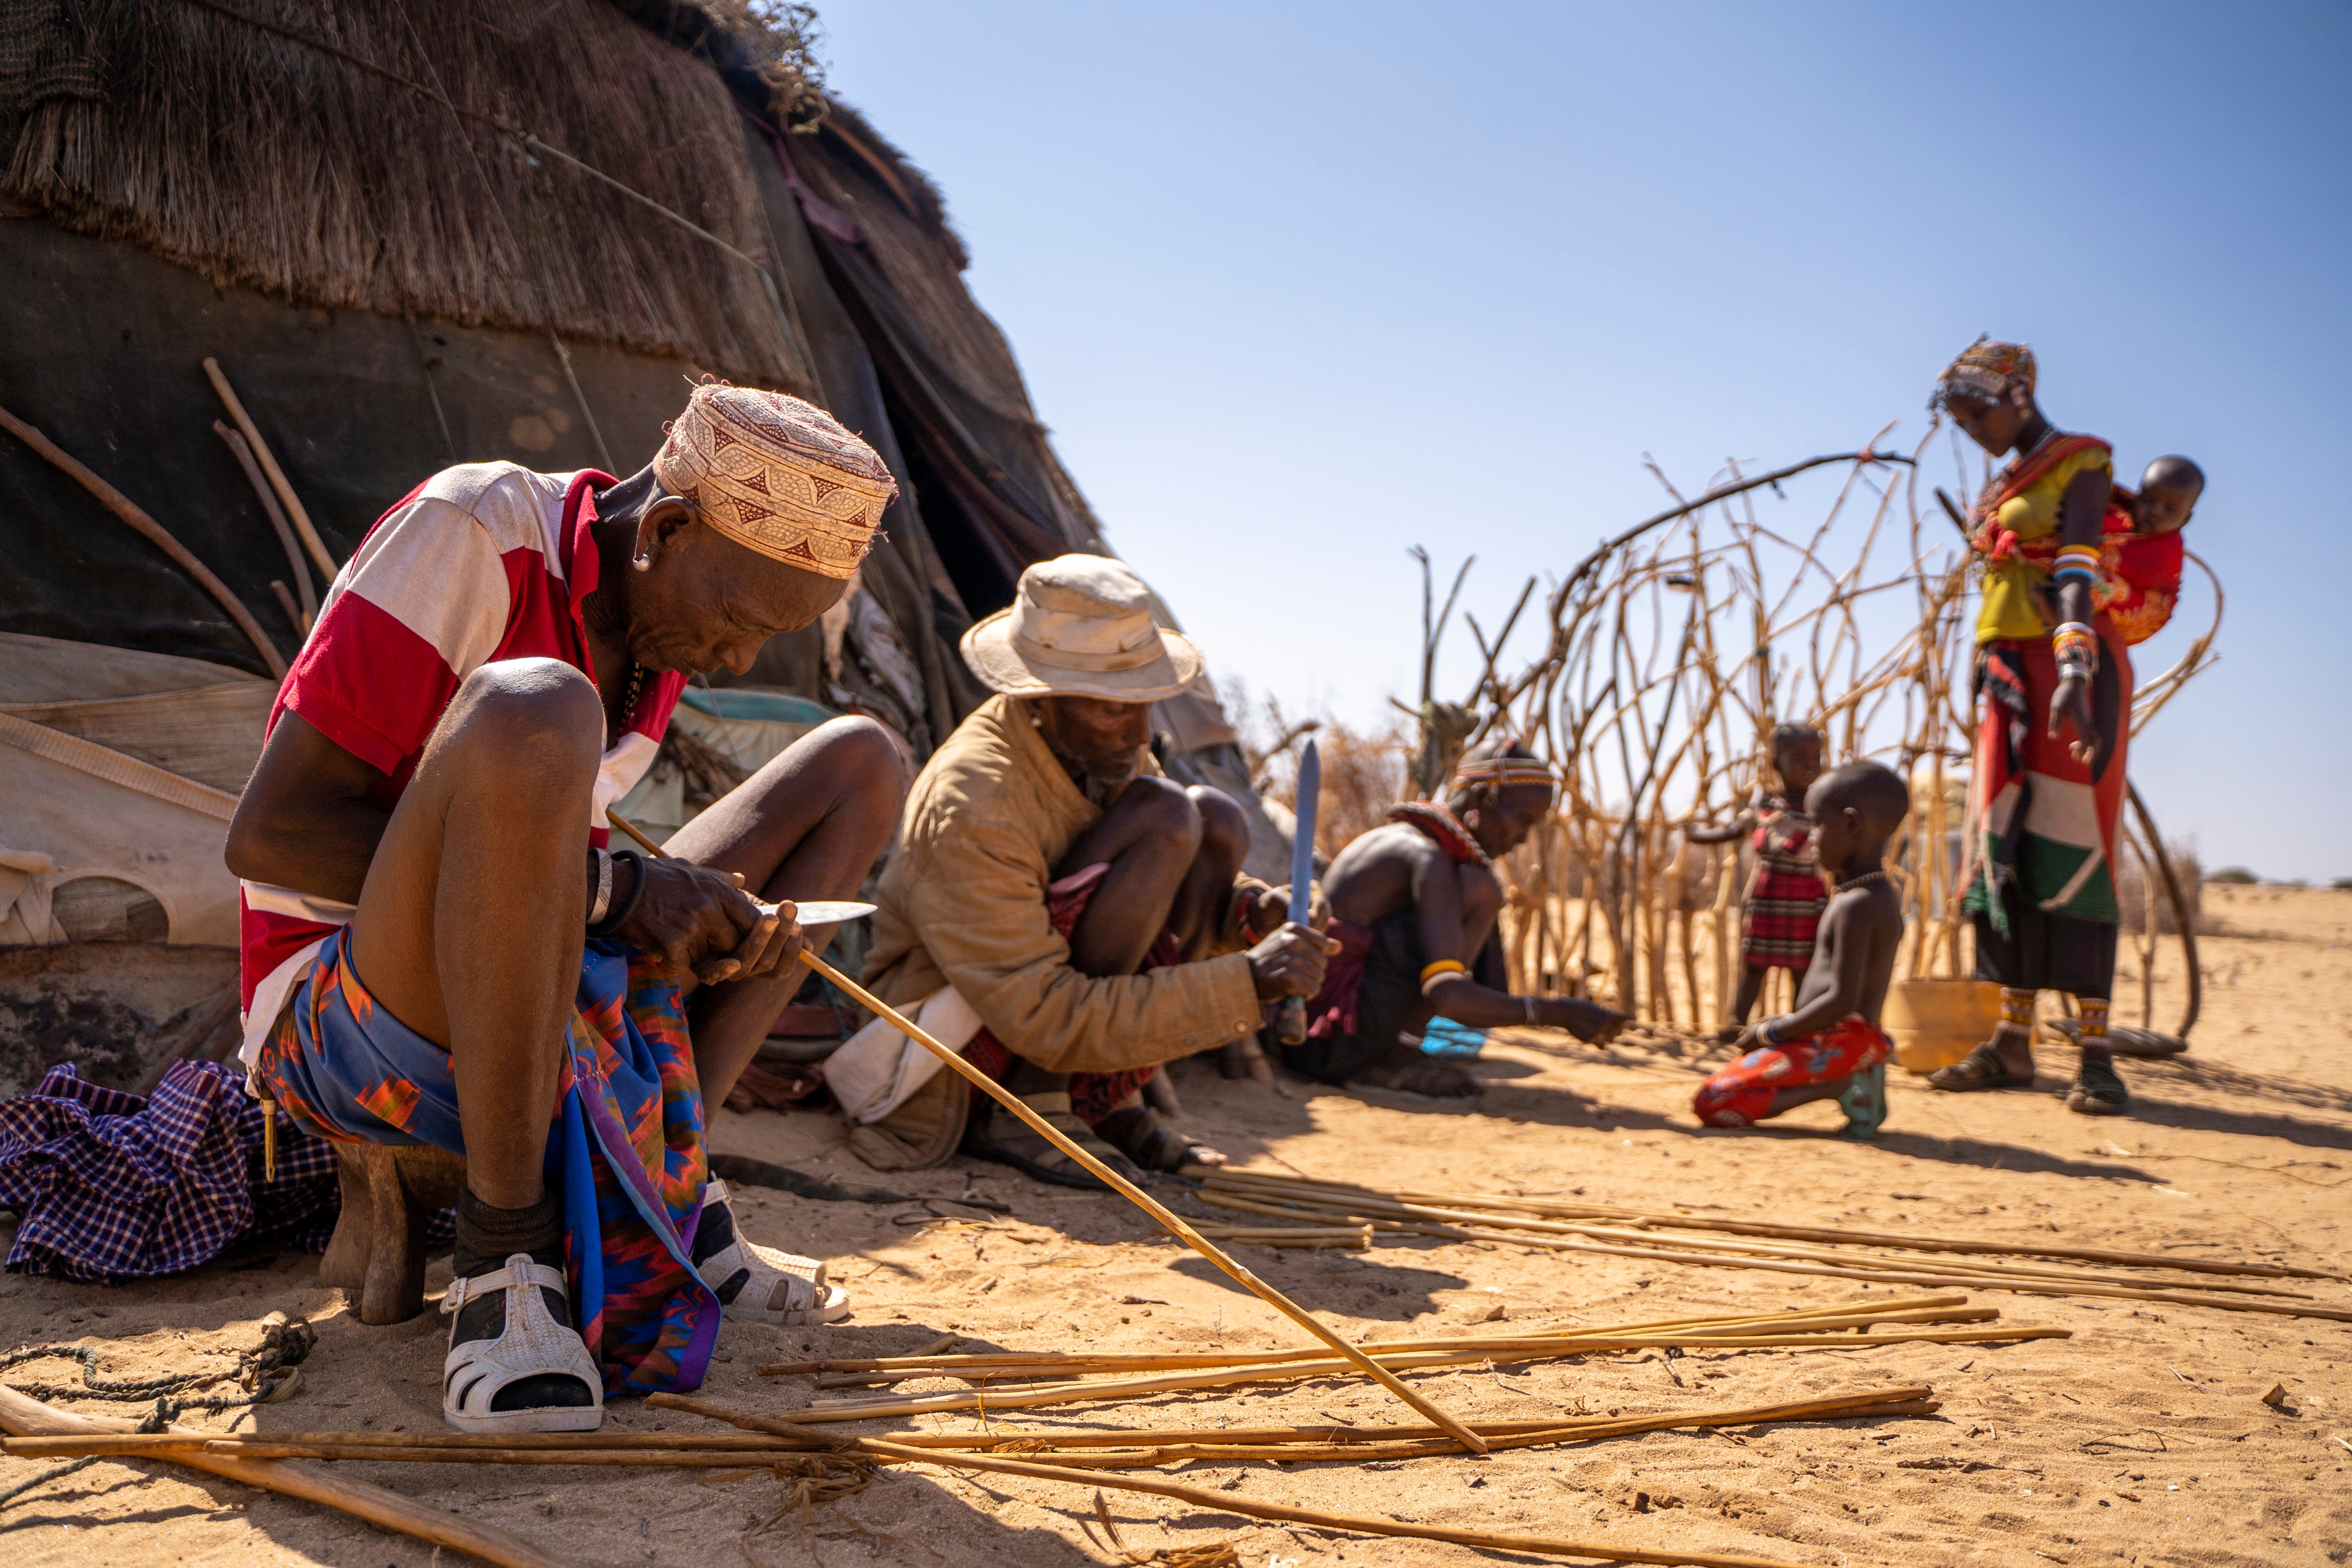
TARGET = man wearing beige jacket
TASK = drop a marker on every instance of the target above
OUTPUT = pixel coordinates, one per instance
(1056, 909)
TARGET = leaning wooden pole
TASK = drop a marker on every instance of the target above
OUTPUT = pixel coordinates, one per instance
(294, 508)
(2182, 916)
(1166, 1217)
(122, 506)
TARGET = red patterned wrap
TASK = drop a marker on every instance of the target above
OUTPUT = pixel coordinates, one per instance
(1741, 1094)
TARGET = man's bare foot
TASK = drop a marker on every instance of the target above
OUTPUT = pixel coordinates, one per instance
(1410, 1069)
(1245, 1058)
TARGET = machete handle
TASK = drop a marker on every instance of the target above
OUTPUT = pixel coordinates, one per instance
(1290, 1023)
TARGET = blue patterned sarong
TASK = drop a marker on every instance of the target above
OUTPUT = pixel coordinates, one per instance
(625, 1151)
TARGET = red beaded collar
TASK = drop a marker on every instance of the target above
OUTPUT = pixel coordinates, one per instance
(1437, 819)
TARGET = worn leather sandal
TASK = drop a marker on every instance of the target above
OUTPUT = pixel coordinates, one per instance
(1151, 1141)
(1981, 1068)
(761, 1285)
(547, 1358)
(1007, 1141)
(2097, 1090)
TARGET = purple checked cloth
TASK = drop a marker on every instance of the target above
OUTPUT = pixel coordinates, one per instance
(115, 1187)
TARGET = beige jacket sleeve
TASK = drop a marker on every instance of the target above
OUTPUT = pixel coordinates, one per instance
(977, 907)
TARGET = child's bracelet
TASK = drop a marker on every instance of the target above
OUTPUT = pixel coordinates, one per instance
(1443, 967)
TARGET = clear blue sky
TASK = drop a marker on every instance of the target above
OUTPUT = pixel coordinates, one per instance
(1299, 286)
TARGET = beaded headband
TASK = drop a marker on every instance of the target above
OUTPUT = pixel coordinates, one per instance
(1502, 770)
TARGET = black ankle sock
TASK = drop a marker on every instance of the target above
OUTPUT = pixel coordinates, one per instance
(486, 1236)
(714, 1233)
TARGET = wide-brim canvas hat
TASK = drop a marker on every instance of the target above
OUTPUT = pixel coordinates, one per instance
(1081, 625)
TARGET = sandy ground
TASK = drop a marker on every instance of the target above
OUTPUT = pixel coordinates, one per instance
(2142, 1440)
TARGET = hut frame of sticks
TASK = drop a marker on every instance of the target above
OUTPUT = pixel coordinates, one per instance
(1673, 650)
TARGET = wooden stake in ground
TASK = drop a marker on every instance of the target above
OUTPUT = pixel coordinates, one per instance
(1167, 1218)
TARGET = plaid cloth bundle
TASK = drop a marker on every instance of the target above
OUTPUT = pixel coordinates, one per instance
(115, 1187)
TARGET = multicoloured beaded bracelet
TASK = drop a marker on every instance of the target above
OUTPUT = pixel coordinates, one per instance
(2076, 648)
(2076, 564)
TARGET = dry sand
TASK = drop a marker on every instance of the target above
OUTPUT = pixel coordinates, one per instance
(2142, 1440)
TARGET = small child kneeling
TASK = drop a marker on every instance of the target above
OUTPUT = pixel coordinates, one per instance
(1830, 1046)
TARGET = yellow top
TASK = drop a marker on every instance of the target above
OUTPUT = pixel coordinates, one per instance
(2009, 611)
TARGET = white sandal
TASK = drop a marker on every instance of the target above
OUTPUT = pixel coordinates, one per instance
(761, 1285)
(531, 1344)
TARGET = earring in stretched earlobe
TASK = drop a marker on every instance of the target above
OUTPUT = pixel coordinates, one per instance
(642, 563)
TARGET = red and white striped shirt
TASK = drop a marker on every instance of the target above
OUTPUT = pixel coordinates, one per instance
(478, 564)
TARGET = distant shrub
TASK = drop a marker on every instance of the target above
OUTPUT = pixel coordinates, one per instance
(2234, 877)
(2131, 890)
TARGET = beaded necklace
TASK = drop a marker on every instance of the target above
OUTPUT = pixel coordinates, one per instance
(1858, 881)
(1437, 819)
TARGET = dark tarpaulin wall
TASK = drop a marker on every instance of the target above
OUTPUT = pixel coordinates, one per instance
(904, 572)
(101, 347)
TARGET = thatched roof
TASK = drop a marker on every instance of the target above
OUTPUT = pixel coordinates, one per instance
(406, 157)
(376, 212)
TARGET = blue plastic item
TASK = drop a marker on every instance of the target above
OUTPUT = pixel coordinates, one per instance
(1445, 1037)
(734, 702)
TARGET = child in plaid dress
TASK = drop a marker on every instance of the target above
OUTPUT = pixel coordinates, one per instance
(1783, 909)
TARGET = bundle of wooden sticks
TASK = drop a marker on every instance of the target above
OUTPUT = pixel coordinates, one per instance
(819, 1461)
(1053, 1378)
(1325, 1212)
(793, 1449)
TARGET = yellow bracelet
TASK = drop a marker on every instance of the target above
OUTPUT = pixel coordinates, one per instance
(1443, 967)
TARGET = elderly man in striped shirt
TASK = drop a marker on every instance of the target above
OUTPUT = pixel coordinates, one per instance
(439, 948)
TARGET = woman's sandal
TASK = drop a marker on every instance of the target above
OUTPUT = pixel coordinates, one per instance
(530, 1346)
(761, 1285)
(2097, 1090)
(1007, 1141)
(1151, 1141)
(1981, 1068)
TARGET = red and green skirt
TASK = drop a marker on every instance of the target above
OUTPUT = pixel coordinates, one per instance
(2042, 822)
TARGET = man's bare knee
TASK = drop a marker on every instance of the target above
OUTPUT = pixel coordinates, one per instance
(1224, 831)
(528, 715)
(1164, 812)
(868, 759)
